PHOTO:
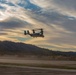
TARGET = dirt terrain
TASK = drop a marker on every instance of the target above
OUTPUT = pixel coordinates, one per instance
(33, 71)
(27, 70)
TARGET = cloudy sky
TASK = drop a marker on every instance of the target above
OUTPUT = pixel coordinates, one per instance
(56, 17)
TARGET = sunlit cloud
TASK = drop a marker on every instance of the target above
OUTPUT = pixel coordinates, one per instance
(61, 6)
(56, 17)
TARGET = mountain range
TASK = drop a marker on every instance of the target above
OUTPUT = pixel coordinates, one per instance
(18, 48)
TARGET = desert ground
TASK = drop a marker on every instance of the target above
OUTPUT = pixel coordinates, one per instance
(33, 71)
(8, 66)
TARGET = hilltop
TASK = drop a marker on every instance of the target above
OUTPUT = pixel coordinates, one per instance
(22, 49)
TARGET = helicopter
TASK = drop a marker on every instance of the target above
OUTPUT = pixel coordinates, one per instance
(34, 33)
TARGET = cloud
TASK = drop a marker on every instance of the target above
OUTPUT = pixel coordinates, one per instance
(12, 23)
(56, 17)
(70, 25)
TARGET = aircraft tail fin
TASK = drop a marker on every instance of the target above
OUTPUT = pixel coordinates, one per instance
(26, 32)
